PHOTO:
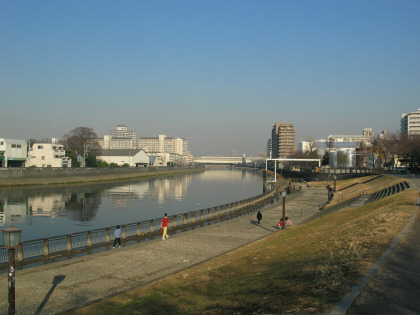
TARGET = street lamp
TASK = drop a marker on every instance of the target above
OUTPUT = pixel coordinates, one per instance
(11, 239)
(329, 190)
(284, 194)
(335, 183)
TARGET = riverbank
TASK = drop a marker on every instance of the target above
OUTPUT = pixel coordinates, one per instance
(84, 176)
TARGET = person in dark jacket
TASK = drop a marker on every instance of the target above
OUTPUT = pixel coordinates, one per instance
(259, 216)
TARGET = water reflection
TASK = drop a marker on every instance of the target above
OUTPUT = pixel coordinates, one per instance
(83, 207)
(48, 211)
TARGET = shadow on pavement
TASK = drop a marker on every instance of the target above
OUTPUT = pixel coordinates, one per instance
(57, 280)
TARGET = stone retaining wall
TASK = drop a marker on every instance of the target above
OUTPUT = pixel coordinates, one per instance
(51, 172)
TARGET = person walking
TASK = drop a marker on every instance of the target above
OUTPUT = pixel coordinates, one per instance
(117, 234)
(164, 226)
(259, 216)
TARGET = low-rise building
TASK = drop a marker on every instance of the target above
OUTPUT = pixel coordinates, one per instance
(12, 152)
(47, 154)
(130, 157)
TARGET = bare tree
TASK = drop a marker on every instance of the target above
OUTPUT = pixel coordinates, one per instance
(311, 143)
(342, 159)
(80, 137)
(330, 143)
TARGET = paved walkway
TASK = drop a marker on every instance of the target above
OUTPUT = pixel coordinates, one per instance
(67, 284)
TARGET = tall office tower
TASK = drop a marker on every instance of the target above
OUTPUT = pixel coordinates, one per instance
(410, 123)
(283, 140)
(122, 138)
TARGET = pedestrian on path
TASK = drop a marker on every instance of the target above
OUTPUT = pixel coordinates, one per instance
(117, 234)
(259, 216)
(164, 226)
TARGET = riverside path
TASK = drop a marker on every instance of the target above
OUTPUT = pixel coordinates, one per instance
(64, 285)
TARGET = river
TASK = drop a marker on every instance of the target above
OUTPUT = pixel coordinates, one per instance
(49, 211)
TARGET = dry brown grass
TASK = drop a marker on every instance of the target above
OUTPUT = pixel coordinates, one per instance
(304, 270)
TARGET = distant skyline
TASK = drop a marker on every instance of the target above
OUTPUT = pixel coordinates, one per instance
(217, 73)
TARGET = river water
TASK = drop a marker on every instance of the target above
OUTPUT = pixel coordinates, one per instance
(50, 211)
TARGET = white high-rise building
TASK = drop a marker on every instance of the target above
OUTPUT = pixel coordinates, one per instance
(120, 138)
(410, 123)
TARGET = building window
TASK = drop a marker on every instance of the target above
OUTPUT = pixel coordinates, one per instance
(43, 157)
(40, 147)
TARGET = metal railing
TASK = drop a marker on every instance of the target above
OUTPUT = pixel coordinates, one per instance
(67, 243)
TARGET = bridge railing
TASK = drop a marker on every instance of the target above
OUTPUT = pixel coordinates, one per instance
(75, 241)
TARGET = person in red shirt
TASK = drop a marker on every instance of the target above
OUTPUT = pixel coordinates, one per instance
(164, 226)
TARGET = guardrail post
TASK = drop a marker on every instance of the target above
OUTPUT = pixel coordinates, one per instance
(20, 252)
(202, 215)
(124, 230)
(152, 222)
(46, 246)
(215, 211)
(107, 231)
(185, 218)
(174, 220)
(89, 240)
(209, 213)
(138, 232)
(69, 242)
(193, 217)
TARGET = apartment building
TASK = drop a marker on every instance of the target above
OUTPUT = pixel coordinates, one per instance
(171, 150)
(410, 123)
(12, 152)
(120, 138)
(47, 154)
(283, 140)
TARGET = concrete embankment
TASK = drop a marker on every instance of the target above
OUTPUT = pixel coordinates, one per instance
(48, 176)
(70, 284)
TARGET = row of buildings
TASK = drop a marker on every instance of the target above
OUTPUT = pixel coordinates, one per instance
(344, 150)
(121, 147)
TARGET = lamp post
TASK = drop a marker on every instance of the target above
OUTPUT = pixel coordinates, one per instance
(11, 239)
(283, 194)
(335, 183)
(329, 190)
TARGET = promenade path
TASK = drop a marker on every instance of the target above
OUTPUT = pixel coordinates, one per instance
(60, 286)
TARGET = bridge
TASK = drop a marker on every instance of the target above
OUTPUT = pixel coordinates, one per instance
(232, 160)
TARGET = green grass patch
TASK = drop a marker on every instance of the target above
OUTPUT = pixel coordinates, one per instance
(306, 269)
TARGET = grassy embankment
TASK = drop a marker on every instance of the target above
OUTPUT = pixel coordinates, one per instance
(92, 178)
(303, 270)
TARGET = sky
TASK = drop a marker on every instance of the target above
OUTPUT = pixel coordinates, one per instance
(216, 73)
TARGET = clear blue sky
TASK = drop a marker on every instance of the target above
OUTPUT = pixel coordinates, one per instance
(217, 73)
